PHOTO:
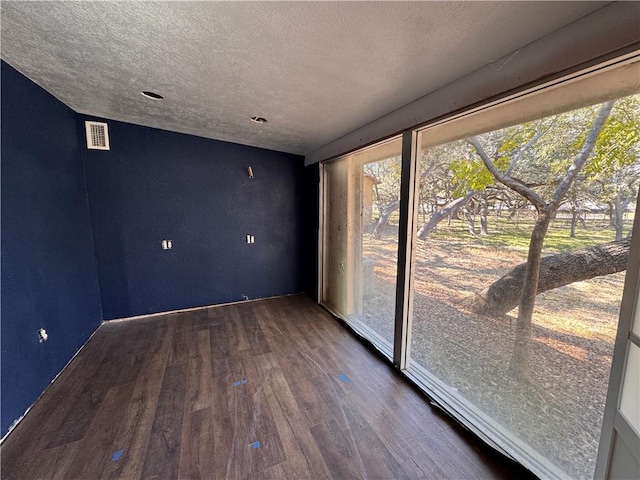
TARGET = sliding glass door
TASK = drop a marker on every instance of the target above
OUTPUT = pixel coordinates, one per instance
(539, 380)
(516, 231)
(360, 246)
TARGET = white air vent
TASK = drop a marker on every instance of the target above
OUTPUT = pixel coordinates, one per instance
(97, 135)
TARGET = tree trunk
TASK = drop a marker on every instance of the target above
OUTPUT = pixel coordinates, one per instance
(582, 222)
(555, 271)
(611, 210)
(471, 224)
(484, 210)
(384, 218)
(522, 347)
(443, 213)
(618, 216)
(574, 220)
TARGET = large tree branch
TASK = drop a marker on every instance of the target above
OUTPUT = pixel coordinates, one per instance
(583, 155)
(506, 180)
(450, 209)
(555, 271)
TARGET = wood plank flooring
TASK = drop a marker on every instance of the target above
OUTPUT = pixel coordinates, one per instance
(271, 389)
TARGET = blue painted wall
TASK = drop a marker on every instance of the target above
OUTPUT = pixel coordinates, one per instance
(49, 276)
(75, 240)
(154, 185)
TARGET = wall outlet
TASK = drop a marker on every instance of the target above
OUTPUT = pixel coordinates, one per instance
(167, 244)
(43, 336)
(251, 239)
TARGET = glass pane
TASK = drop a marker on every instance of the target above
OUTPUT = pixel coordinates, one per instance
(538, 379)
(631, 388)
(362, 193)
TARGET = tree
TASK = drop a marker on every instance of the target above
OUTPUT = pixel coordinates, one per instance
(468, 176)
(383, 220)
(545, 211)
(458, 179)
(617, 191)
(386, 190)
(613, 174)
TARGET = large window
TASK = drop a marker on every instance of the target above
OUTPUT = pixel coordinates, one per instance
(517, 220)
(540, 378)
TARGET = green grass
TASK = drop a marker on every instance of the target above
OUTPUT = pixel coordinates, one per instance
(516, 234)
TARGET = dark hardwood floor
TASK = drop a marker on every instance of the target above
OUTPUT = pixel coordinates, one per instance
(271, 389)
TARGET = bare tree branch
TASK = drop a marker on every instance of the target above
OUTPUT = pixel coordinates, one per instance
(506, 180)
(526, 146)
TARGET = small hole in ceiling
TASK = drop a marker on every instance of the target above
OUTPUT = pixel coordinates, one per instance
(153, 95)
(258, 119)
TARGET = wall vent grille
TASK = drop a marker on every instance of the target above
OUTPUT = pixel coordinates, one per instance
(97, 135)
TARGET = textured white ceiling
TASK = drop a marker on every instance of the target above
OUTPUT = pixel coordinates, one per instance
(315, 70)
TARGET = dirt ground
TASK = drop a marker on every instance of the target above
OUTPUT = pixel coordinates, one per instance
(557, 407)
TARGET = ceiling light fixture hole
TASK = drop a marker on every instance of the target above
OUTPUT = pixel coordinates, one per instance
(152, 95)
(258, 119)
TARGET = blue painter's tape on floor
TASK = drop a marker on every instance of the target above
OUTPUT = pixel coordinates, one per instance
(240, 382)
(243, 381)
(343, 378)
(116, 456)
(255, 445)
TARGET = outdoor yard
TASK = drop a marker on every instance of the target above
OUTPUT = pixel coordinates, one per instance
(557, 406)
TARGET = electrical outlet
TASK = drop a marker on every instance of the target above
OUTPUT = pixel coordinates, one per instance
(43, 336)
(251, 239)
(167, 244)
